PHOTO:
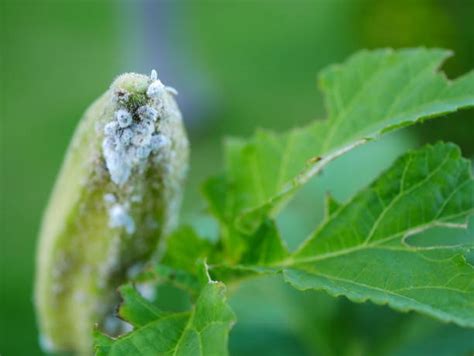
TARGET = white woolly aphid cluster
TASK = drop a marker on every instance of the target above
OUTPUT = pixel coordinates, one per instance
(129, 139)
(128, 142)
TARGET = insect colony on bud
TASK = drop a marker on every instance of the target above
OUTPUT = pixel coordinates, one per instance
(115, 200)
(131, 136)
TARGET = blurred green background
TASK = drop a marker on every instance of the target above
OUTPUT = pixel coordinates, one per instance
(237, 65)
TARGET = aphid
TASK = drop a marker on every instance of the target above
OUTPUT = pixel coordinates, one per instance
(119, 217)
(315, 159)
(159, 141)
(143, 151)
(147, 126)
(143, 128)
(141, 139)
(126, 136)
(147, 112)
(111, 128)
(109, 144)
(118, 165)
(123, 118)
(156, 90)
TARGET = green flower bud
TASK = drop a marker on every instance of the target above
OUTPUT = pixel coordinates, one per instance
(116, 197)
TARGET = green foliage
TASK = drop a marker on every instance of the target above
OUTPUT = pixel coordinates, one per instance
(183, 263)
(202, 331)
(363, 249)
(330, 206)
(371, 94)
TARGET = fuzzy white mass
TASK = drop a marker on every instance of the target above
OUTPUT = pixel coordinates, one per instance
(127, 142)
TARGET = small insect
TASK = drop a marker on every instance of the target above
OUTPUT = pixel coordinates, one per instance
(147, 112)
(314, 160)
(126, 136)
(157, 89)
(123, 118)
(159, 141)
(111, 128)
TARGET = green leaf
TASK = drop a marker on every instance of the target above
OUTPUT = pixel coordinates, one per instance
(263, 250)
(363, 250)
(265, 246)
(135, 309)
(102, 343)
(185, 248)
(182, 263)
(202, 331)
(331, 205)
(374, 92)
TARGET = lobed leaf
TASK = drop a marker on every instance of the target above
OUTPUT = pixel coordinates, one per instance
(135, 309)
(182, 264)
(202, 331)
(374, 92)
(265, 246)
(362, 250)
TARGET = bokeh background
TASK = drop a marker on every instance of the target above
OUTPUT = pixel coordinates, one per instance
(238, 65)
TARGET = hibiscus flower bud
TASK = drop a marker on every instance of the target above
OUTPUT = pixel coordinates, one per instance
(115, 199)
